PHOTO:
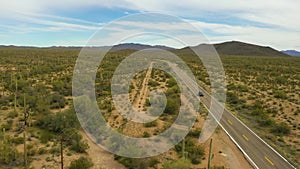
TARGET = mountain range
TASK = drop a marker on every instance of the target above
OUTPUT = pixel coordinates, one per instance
(224, 49)
(232, 48)
(291, 52)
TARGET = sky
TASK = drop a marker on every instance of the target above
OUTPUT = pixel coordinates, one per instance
(72, 23)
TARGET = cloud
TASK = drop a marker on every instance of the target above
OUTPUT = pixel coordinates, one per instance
(266, 22)
(23, 22)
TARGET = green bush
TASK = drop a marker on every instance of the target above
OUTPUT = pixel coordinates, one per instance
(172, 106)
(57, 101)
(17, 140)
(76, 143)
(281, 129)
(151, 124)
(146, 134)
(153, 83)
(59, 122)
(12, 114)
(135, 163)
(178, 164)
(279, 94)
(81, 163)
(194, 133)
(171, 82)
(8, 152)
(45, 136)
(266, 121)
(242, 88)
(7, 126)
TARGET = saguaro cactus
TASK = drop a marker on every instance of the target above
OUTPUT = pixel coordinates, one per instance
(16, 90)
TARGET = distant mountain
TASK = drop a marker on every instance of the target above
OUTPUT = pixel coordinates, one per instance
(291, 52)
(226, 48)
(135, 46)
(246, 49)
(123, 46)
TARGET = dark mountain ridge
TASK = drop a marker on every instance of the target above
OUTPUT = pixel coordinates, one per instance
(246, 49)
(232, 48)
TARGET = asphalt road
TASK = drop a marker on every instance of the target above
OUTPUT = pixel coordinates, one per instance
(258, 152)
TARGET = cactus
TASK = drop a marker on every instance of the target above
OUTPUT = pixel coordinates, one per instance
(183, 148)
(15, 103)
(24, 133)
(3, 87)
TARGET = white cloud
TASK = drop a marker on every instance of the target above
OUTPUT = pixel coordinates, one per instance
(282, 16)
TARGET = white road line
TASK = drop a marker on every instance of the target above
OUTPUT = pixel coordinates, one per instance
(245, 154)
(251, 161)
(248, 128)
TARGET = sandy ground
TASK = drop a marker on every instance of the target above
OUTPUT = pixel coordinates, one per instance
(100, 157)
(225, 153)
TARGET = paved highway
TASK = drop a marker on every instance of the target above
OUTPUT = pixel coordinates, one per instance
(258, 152)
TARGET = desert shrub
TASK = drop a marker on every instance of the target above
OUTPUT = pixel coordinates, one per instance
(17, 140)
(77, 144)
(279, 94)
(232, 98)
(8, 152)
(55, 150)
(12, 114)
(45, 136)
(153, 83)
(257, 112)
(178, 164)
(171, 82)
(194, 133)
(280, 80)
(151, 124)
(81, 163)
(41, 151)
(135, 163)
(172, 106)
(146, 134)
(218, 167)
(194, 152)
(7, 126)
(265, 121)
(4, 101)
(243, 88)
(147, 103)
(57, 101)
(58, 85)
(59, 121)
(281, 129)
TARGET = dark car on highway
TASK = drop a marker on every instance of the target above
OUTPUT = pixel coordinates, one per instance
(200, 94)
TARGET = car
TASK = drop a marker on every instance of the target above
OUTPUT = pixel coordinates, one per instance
(200, 94)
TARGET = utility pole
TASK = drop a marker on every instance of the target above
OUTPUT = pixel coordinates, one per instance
(26, 115)
(62, 139)
(209, 156)
(2, 82)
(16, 81)
(61, 153)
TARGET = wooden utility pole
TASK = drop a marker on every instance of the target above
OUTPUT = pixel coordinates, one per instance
(2, 82)
(62, 139)
(24, 133)
(209, 156)
(61, 153)
(16, 80)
